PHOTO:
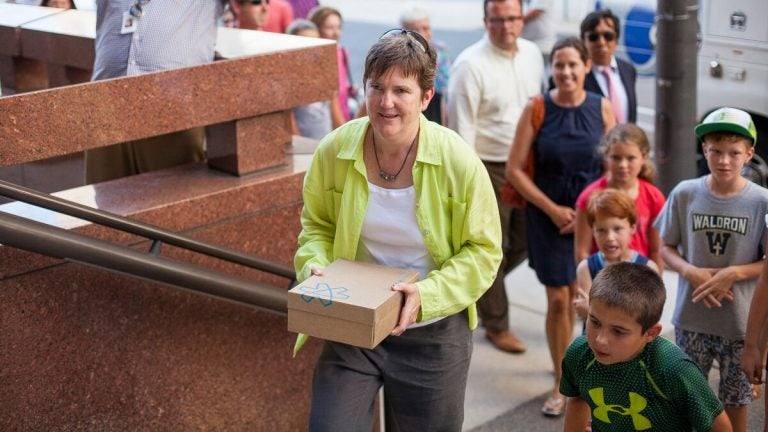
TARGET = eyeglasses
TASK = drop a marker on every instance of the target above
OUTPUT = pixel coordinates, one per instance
(500, 21)
(411, 35)
(254, 2)
(608, 36)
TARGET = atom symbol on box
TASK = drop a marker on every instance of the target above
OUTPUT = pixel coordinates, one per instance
(323, 293)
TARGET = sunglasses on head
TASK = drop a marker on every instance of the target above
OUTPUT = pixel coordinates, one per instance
(608, 36)
(413, 36)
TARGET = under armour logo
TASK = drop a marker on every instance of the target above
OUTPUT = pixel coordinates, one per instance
(637, 404)
(323, 293)
(717, 242)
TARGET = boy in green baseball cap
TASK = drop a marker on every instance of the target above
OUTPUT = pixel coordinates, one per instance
(712, 231)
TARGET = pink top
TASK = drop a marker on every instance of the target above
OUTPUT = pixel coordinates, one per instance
(279, 17)
(343, 55)
(648, 205)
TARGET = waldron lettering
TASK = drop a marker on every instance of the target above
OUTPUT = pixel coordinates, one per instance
(726, 223)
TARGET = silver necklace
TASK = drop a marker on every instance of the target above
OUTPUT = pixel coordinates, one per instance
(385, 175)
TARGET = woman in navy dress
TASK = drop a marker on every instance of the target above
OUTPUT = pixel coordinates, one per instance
(566, 160)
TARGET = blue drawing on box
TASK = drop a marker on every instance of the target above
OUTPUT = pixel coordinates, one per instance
(323, 293)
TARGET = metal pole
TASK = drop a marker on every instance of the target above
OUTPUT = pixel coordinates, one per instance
(60, 205)
(676, 52)
(59, 243)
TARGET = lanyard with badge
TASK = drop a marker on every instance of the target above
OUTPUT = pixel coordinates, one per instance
(131, 16)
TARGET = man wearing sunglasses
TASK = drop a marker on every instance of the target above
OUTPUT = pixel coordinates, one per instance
(250, 14)
(612, 77)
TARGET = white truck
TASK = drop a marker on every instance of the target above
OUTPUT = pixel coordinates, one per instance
(733, 68)
(732, 61)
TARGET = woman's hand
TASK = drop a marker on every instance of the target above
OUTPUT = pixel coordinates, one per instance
(581, 303)
(411, 306)
(316, 271)
(563, 217)
(582, 236)
(752, 364)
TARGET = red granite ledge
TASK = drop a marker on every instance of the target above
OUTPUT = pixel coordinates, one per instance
(12, 16)
(7, 77)
(29, 75)
(199, 194)
(58, 48)
(269, 234)
(248, 145)
(75, 118)
(9, 41)
(188, 199)
(93, 350)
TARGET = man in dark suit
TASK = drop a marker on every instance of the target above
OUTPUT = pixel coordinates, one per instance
(611, 77)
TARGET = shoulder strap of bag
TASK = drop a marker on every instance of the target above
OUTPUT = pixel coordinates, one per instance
(537, 117)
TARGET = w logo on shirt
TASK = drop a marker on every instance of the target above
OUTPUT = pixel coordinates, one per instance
(717, 241)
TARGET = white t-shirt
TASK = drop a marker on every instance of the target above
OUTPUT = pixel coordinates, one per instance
(543, 30)
(391, 236)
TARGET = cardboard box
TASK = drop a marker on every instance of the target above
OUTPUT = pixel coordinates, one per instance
(351, 303)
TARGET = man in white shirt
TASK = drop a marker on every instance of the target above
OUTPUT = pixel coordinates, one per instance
(135, 37)
(491, 81)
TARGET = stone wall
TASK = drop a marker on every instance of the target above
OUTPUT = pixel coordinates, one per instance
(85, 349)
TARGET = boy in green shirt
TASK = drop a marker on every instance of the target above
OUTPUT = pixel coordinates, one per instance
(625, 377)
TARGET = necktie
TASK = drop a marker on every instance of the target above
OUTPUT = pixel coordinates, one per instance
(613, 94)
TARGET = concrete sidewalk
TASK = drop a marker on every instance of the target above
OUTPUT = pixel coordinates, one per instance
(505, 392)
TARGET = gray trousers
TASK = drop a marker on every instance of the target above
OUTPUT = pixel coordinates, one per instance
(493, 306)
(423, 371)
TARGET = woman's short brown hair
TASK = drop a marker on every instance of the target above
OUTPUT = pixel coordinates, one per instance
(405, 51)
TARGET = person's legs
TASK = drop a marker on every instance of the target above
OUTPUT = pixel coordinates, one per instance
(493, 306)
(765, 409)
(149, 154)
(425, 376)
(738, 417)
(169, 150)
(110, 162)
(559, 329)
(735, 390)
(517, 238)
(344, 386)
(697, 347)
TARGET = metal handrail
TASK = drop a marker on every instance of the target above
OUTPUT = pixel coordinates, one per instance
(22, 233)
(56, 242)
(101, 217)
